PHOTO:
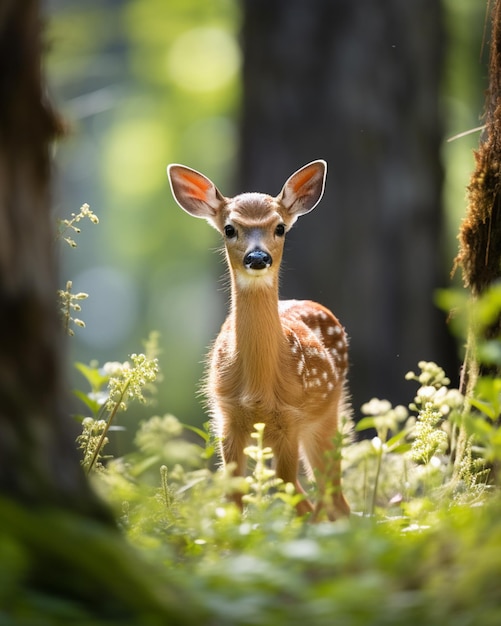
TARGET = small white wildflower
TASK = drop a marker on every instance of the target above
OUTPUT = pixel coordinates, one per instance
(376, 407)
(401, 412)
(426, 392)
(435, 461)
(114, 368)
(98, 396)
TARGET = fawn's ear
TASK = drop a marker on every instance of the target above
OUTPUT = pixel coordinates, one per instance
(194, 192)
(304, 189)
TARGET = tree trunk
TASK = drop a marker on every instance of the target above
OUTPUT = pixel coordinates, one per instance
(356, 83)
(60, 563)
(38, 459)
(480, 233)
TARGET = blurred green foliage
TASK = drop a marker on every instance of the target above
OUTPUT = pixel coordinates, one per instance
(428, 550)
(145, 83)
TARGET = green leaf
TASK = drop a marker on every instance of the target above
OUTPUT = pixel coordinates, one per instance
(489, 352)
(395, 441)
(143, 465)
(93, 376)
(90, 403)
(365, 423)
(401, 448)
(484, 407)
(208, 452)
(478, 426)
(488, 308)
(204, 434)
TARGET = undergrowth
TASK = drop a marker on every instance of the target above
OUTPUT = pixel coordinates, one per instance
(421, 547)
(423, 544)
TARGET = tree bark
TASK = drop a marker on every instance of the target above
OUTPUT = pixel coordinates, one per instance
(479, 237)
(356, 83)
(480, 233)
(39, 464)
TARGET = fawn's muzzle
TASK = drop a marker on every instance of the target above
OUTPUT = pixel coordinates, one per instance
(257, 260)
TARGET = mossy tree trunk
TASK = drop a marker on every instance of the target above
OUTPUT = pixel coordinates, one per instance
(479, 254)
(38, 461)
(480, 234)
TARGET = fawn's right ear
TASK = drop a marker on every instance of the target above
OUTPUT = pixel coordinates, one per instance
(194, 192)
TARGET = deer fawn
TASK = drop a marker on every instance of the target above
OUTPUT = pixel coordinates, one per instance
(282, 363)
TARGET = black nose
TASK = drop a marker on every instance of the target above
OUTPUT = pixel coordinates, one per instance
(257, 260)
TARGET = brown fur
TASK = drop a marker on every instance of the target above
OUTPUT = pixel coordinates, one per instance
(282, 363)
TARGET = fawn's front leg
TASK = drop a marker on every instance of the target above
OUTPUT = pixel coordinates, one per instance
(232, 453)
(324, 458)
(286, 453)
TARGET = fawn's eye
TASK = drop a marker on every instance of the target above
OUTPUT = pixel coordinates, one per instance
(230, 231)
(280, 230)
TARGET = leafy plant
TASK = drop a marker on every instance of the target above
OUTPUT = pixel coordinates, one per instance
(385, 420)
(124, 382)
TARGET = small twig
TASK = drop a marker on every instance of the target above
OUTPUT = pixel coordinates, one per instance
(466, 132)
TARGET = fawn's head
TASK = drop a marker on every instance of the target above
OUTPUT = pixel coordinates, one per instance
(253, 225)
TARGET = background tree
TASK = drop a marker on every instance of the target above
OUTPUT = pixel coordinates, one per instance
(356, 83)
(38, 461)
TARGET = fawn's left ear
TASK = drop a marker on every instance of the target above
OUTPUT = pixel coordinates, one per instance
(304, 189)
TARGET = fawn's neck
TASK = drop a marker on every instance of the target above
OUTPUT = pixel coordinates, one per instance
(259, 337)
